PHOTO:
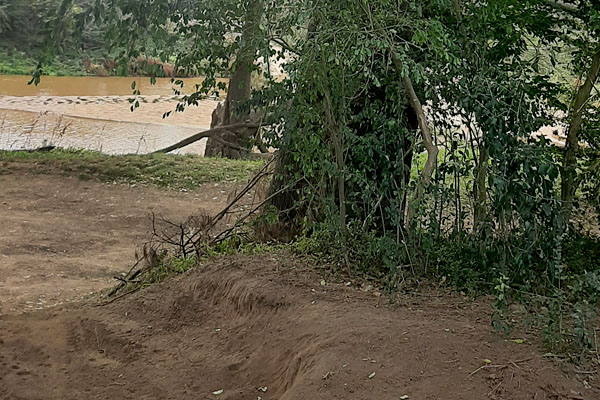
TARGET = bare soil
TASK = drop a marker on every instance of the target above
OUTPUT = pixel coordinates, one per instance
(62, 238)
(243, 327)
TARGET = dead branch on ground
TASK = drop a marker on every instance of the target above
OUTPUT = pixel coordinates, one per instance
(194, 236)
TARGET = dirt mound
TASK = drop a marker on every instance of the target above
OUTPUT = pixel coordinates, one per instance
(264, 327)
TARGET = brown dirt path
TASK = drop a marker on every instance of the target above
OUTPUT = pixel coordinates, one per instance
(62, 238)
(244, 323)
(235, 325)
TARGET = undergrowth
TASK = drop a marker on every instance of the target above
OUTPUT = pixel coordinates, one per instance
(167, 265)
(18, 63)
(563, 310)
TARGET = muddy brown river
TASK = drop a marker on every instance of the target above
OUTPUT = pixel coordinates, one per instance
(94, 113)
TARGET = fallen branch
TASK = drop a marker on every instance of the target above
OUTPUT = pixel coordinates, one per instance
(229, 144)
(209, 133)
(187, 238)
(185, 241)
(228, 232)
(135, 289)
(253, 182)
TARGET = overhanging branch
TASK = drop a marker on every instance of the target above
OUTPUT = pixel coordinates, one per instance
(210, 133)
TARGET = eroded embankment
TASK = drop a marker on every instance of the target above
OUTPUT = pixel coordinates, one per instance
(265, 327)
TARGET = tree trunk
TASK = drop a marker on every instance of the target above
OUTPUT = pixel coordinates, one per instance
(432, 150)
(569, 170)
(238, 93)
(479, 186)
(336, 140)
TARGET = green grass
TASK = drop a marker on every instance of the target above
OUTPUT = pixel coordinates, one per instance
(162, 170)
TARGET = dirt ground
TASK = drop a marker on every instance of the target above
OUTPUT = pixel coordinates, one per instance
(243, 327)
(62, 238)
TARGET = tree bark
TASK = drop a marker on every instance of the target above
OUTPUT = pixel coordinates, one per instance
(479, 186)
(569, 170)
(432, 150)
(238, 92)
(336, 140)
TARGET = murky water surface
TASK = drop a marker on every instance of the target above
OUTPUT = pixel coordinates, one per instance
(94, 113)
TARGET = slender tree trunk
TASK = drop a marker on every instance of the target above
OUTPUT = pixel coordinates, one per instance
(336, 139)
(432, 150)
(415, 104)
(238, 92)
(569, 170)
(479, 186)
(412, 123)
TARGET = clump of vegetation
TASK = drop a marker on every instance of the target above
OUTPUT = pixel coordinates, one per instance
(66, 38)
(29, 29)
(163, 170)
(19, 63)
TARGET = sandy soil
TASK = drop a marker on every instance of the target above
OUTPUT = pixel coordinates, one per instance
(244, 327)
(62, 238)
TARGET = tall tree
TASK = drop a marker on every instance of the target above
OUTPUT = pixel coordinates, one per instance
(235, 108)
(213, 39)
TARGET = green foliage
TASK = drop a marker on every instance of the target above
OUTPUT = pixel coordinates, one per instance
(18, 63)
(480, 74)
(30, 25)
(60, 34)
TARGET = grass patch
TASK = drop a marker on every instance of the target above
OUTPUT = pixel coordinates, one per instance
(162, 170)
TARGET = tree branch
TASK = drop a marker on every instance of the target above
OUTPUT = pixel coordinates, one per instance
(569, 171)
(413, 100)
(208, 133)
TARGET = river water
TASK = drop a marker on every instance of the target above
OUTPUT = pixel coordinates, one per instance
(94, 113)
